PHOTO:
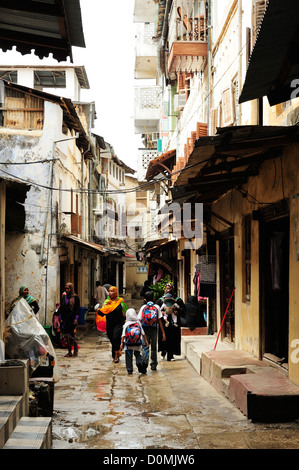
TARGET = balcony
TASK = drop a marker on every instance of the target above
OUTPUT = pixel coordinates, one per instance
(146, 51)
(188, 36)
(147, 111)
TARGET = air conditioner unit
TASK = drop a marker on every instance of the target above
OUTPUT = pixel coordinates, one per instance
(99, 208)
(179, 101)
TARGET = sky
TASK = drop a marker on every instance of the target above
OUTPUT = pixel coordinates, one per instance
(109, 59)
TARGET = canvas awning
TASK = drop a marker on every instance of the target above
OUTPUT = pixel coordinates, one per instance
(274, 62)
(51, 26)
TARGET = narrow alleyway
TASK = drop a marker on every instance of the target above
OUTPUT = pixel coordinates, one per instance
(98, 406)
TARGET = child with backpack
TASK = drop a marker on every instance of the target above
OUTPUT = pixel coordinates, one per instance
(150, 317)
(132, 335)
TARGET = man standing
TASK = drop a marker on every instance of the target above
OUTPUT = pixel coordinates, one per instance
(150, 317)
(100, 294)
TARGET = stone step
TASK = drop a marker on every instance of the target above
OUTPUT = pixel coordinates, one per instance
(31, 433)
(12, 408)
(266, 395)
(260, 391)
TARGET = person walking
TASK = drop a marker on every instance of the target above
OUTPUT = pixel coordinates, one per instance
(150, 317)
(100, 294)
(132, 336)
(68, 314)
(172, 345)
(114, 309)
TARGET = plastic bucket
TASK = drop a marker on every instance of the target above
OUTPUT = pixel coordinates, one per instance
(48, 330)
(82, 315)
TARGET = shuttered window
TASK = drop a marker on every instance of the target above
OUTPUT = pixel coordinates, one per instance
(23, 112)
(214, 121)
(228, 111)
(258, 11)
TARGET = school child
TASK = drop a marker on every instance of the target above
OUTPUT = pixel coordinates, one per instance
(131, 340)
(150, 317)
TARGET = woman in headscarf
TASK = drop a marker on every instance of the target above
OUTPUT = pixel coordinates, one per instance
(68, 317)
(172, 345)
(24, 294)
(114, 309)
(194, 314)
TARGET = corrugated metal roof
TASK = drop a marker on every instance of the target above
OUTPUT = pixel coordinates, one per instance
(47, 26)
(274, 61)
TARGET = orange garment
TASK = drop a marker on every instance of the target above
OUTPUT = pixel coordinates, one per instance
(108, 307)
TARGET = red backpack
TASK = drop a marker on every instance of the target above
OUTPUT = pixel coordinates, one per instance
(133, 334)
(149, 315)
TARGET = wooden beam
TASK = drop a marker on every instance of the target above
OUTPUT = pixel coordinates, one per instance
(2, 255)
(223, 177)
(239, 162)
(27, 6)
(33, 40)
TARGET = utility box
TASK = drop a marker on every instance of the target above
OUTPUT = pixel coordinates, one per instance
(14, 379)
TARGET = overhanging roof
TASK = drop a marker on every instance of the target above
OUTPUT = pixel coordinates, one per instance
(51, 26)
(46, 76)
(70, 115)
(227, 160)
(84, 243)
(274, 62)
(161, 164)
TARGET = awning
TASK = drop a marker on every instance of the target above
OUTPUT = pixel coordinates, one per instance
(83, 243)
(274, 62)
(227, 160)
(161, 246)
(162, 164)
(51, 26)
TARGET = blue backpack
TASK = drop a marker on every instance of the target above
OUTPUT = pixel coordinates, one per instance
(149, 315)
(133, 334)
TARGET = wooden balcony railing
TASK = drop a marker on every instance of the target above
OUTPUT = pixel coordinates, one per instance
(188, 35)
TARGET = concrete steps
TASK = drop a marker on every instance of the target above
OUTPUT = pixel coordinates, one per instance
(261, 392)
(31, 433)
(17, 429)
(11, 410)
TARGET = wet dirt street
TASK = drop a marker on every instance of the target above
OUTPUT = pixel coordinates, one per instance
(97, 405)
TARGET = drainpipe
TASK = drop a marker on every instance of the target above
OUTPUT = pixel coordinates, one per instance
(240, 57)
(46, 218)
(209, 64)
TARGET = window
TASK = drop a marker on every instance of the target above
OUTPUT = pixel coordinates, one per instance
(22, 111)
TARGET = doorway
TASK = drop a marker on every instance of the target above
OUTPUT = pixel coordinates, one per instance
(274, 287)
(227, 283)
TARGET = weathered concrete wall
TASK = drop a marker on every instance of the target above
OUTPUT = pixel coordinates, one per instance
(32, 258)
(270, 186)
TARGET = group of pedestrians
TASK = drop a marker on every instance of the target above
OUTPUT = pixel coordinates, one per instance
(155, 328)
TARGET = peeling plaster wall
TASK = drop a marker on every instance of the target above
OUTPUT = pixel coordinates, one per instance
(28, 260)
